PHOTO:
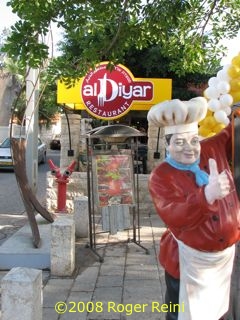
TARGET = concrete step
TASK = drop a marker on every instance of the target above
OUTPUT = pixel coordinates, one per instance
(18, 250)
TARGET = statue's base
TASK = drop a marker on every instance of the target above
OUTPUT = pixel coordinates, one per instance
(18, 250)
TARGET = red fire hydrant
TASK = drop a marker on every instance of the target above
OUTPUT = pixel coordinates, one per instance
(62, 180)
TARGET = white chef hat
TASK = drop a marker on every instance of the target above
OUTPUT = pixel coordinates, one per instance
(178, 116)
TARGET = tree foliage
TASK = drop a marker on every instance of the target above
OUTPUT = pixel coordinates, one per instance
(150, 63)
(188, 33)
(47, 93)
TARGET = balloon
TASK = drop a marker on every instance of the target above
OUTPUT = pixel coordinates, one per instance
(209, 113)
(235, 95)
(214, 105)
(223, 87)
(234, 71)
(226, 121)
(223, 90)
(213, 81)
(211, 93)
(223, 75)
(227, 110)
(226, 100)
(203, 131)
(201, 123)
(219, 127)
(236, 60)
(235, 84)
(211, 134)
(221, 117)
(210, 122)
(226, 67)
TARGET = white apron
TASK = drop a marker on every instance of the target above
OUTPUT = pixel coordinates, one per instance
(205, 282)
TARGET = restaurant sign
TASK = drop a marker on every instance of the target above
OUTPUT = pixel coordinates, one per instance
(110, 94)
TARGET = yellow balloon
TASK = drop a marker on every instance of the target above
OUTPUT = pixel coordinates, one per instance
(234, 71)
(204, 94)
(219, 127)
(235, 95)
(211, 134)
(209, 122)
(235, 84)
(203, 131)
(209, 113)
(236, 60)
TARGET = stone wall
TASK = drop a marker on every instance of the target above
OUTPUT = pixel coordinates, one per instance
(74, 126)
(47, 133)
(77, 186)
(153, 143)
(17, 130)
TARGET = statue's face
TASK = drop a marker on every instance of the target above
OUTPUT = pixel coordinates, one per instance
(184, 147)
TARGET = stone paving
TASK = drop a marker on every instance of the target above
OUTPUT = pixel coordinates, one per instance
(129, 284)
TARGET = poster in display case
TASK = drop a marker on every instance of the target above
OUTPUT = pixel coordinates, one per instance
(114, 179)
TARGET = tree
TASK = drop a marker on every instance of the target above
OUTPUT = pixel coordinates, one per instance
(187, 32)
(13, 93)
(9, 88)
(150, 63)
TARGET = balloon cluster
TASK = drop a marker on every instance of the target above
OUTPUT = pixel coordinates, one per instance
(222, 91)
(234, 73)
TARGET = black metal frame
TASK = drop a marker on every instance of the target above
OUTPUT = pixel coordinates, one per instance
(134, 209)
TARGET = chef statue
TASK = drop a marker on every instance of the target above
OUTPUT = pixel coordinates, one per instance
(194, 194)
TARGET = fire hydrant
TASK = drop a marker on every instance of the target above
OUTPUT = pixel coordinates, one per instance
(62, 180)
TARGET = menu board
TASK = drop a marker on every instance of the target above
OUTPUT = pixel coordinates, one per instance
(114, 175)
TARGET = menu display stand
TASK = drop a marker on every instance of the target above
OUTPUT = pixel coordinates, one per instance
(113, 184)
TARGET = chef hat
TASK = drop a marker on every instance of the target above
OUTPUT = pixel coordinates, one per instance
(178, 116)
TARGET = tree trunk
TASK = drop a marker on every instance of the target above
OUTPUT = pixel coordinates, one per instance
(9, 88)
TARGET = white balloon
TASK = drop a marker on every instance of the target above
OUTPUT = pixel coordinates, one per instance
(227, 110)
(226, 121)
(226, 100)
(211, 93)
(223, 87)
(220, 116)
(214, 105)
(226, 67)
(223, 75)
(213, 81)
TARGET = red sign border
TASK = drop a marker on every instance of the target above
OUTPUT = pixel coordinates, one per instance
(129, 73)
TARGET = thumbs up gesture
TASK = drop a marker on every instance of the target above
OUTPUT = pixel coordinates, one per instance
(219, 184)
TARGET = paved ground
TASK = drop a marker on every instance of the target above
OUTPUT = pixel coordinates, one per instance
(9, 224)
(129, 284)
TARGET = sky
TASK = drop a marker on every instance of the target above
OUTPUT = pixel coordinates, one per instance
(233, 45)
(10, 18)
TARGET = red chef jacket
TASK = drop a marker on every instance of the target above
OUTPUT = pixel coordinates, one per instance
(182, 205)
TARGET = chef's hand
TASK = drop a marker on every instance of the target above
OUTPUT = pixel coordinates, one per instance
(218, 186)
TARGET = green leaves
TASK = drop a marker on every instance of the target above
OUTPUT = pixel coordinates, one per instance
(188, 32)
(25, 46)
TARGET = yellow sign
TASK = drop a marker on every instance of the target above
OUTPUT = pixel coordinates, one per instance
(111, 94)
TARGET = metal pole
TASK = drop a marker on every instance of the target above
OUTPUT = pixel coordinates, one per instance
(32, 89)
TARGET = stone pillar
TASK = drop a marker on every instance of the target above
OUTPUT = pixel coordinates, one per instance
(63, 246)
(85, 127)
(152, 146)
(81, 217)
(22, 294)
(74, 125)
